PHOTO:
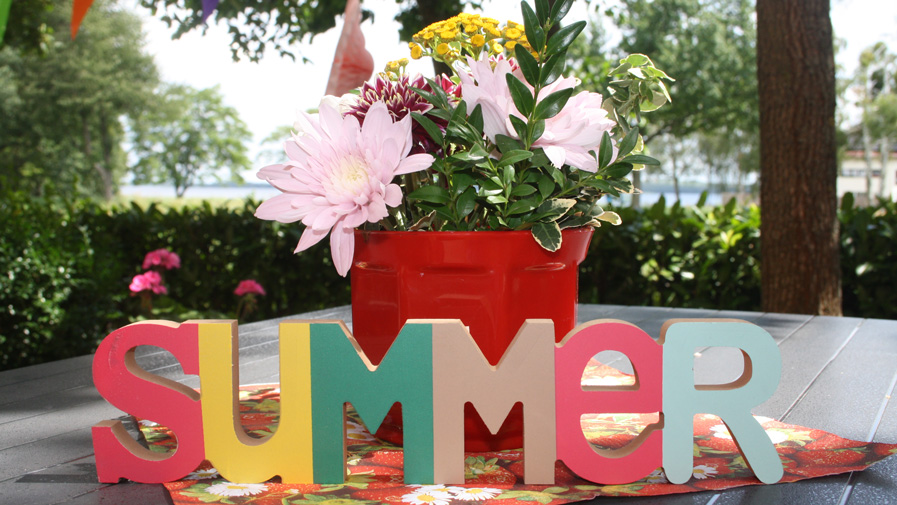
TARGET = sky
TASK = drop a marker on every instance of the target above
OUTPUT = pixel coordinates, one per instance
(268, 94)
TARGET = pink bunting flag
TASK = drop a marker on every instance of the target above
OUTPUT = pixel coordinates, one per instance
(208, 6)
(79, 10)
(352, 63)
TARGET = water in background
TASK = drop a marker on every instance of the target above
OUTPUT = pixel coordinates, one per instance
(689, 195)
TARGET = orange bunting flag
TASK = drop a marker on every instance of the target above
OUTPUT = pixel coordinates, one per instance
(79, 10)
(352, 63)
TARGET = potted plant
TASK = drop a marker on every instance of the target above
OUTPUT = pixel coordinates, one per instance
(469, 196)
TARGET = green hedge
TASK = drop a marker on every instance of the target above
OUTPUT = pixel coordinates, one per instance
(69, 271)
(66, 270)
(676, 256)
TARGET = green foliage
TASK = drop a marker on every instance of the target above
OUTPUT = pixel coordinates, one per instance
(188, 135)
(677, 257)
(469, 189)
(68, 271)
(60, 118)
(711, 44)
(262, 24)
(868, 259)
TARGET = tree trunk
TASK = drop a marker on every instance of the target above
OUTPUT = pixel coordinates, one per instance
(887, 174)
(106, 170)
(798, 167)
(867, 156)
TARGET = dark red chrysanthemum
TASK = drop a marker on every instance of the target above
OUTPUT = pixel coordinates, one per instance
(400, 101)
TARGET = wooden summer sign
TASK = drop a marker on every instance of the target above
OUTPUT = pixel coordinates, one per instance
(433, 369)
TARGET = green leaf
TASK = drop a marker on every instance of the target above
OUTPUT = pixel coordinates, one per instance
(522, 96)
(475, 120)
(432, 194)
(605, 151)
(507, 176)
(460, 182)
(602, 185)
(429, 126)
(538, 129)
(519, 126)
(558, 176)
(439, 93)
(548, 235)
(523, 190)
(552, 68)
(619, 169)
(556, 207)
(546, 186)
(552, 104)
(460, 113)
(641, 159)
(511, 157)
(628, 143)
(542, 11)
(528, 64)
(466, 203)
(506, 144)
(559, 10)
(522, 206)
(496, 199)
(561, 40)
(534, 32)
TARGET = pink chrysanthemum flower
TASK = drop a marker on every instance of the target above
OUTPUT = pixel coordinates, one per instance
(249, 286)
(161, 258)
(340, 176)
(401, 101)
(148, 281)
(568, 137)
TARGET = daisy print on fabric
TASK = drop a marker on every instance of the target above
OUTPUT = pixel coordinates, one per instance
(476, 493)
(201, 474)
(421, 497)
(234, 489)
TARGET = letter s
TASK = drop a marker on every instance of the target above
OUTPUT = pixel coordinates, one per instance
(132, 389)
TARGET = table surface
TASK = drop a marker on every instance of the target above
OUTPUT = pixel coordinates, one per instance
(838, 375)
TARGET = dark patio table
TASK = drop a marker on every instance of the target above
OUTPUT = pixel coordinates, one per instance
(838, 375)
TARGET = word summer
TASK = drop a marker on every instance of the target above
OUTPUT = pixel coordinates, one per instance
(432, 369)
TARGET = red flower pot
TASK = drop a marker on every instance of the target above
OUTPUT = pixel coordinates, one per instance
(491, 280)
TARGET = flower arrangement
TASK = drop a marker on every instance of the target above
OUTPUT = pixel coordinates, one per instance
(505, 143)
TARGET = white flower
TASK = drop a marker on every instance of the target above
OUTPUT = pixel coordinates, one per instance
(427, 498)
(703, 471)
(233, 489)
(721, 431)
(776, 436)
(477, 493)
(657, 477)
(211, 473)
(438, 488)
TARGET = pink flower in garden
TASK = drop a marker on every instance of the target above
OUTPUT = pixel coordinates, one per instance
(249, 286)
(568, 137)
(340, 176)
(161, 258)
(148, 281)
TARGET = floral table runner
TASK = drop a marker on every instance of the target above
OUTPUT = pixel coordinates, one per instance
(376, 467)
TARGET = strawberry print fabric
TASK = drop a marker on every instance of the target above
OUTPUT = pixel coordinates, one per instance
(376, 467)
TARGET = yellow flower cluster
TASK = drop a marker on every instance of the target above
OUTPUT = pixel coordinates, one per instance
(449, 40)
